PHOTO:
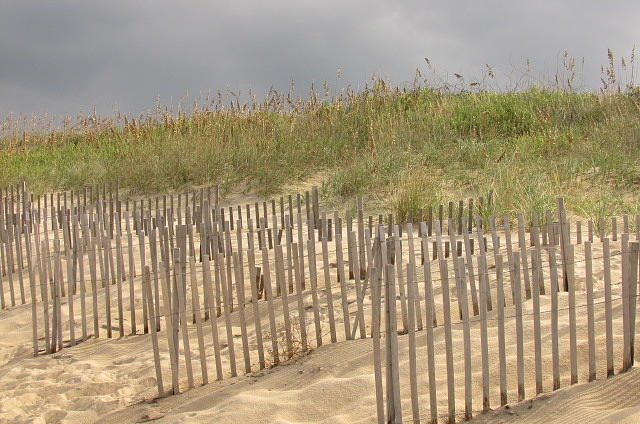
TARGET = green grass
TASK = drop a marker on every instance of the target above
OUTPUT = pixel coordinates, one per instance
(402, 150)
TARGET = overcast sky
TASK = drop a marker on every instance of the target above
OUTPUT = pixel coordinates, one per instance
(63, 57)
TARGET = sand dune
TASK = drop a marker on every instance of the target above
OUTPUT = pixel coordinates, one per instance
(335, 384)
(114, 380)
(608, 401)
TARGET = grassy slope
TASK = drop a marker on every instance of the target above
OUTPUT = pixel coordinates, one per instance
(404, 150)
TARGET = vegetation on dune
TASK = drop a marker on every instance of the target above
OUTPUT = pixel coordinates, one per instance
(403, 149)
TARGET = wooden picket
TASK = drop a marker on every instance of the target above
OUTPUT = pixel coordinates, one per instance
(188, 269)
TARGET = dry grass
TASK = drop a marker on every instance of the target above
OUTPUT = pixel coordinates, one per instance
(286, 351)
(404, 147)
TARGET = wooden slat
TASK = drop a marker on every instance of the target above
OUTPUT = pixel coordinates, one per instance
(429, 321)
(284, 297)
(573, 347)
(70, 301)
(461, 289)
(446, 306)
(606, 258)
(300, 299)
(501, 344)
(154, 336)
(182, 311)
(83, 288)
(515, 281)
(399, 268)
(523, 255)
(327, 281)
(564, 243)
(253, 281)
(412, 259)
(301, 248)
(343, 285)
(270, 306)
(393, 389)
(590, 314)
(470, 271)
(237, 265)
(132, 299)
(107, 284)
(168, 319)
(213, 319)
(34, 301)
(413, 378)
(555, 353)
(355, 260)
(313, 281)
(43, 260)
(480, 238)
(119, 278)
(536, 272)
(375, 337)
(633, 291)
(226, 299)
(483, 278)
(196, 310)
(154, 272)
(93, 246)
(507, 241)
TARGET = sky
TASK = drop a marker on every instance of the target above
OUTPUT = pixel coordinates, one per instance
(66, 57)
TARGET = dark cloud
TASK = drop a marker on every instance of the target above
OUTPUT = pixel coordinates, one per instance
(65, 56)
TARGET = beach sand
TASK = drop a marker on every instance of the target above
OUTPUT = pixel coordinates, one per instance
(113, 380)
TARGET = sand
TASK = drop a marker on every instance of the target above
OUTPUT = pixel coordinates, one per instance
(607, 401)
(102, 380)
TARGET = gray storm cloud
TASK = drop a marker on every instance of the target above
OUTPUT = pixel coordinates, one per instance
(63, 57)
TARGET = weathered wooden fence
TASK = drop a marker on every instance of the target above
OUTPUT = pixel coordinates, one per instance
(253, 285)
(528, 291)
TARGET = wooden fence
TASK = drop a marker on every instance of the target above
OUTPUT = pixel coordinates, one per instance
(253, 285)
(534, 291)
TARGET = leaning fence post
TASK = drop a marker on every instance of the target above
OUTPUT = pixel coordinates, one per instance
(146, 286)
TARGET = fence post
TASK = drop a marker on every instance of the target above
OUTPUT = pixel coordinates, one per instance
(394, 408)
(633, 287)
(375, 316)
(553, 277)
(430, 323)
(573, 347)
(629, 283)
(376, 282)
(146, 286)
(315, 206)
(411, 306)
(562, 217)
